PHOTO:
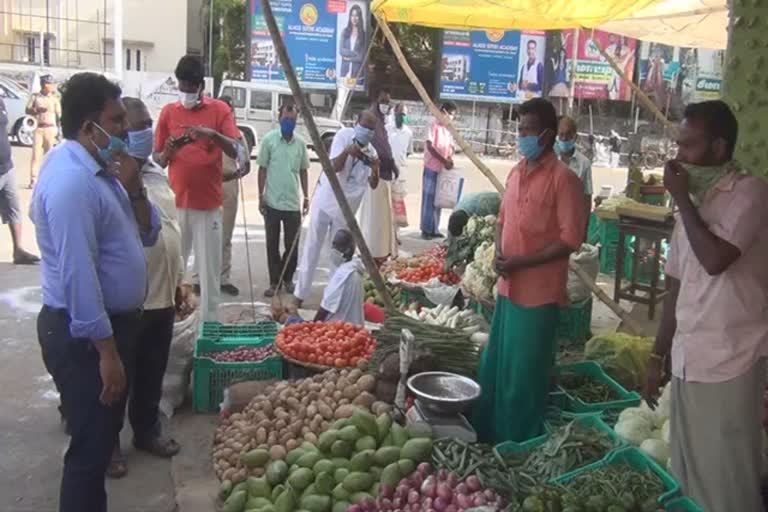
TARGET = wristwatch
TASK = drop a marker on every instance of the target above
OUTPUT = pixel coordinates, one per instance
(141, 195)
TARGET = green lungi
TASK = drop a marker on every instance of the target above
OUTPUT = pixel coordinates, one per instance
(514, 373)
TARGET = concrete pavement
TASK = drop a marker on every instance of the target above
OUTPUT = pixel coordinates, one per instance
(33, 444)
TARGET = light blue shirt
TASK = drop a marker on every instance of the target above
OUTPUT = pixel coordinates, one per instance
(582, 167)
(93, 262)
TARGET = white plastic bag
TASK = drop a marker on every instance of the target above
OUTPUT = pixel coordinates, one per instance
(179, 370)
(588, 259)
(449, 187)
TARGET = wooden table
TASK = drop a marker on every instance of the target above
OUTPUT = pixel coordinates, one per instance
(656, 232)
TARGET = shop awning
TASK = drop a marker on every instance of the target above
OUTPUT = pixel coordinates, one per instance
(506, 14)
(695, 23)
(690, 23)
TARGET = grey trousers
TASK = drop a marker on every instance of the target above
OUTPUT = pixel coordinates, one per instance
(716, 440)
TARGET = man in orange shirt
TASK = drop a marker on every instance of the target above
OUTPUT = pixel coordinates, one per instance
(190, 137)
(541, 222)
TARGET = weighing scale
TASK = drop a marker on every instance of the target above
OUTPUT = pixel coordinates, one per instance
(442, 424)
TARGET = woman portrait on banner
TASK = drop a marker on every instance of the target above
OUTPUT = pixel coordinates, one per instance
(353, 41)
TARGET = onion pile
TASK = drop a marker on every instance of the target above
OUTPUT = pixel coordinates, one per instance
(426, 491)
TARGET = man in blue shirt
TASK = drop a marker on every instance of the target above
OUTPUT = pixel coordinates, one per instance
(92, 219)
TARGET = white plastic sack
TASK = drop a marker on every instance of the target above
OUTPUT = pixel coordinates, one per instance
(440, 293)
(449, 187)
(588, 259)
(179, 370)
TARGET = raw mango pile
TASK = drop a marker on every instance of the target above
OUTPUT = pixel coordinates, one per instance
(348, 465)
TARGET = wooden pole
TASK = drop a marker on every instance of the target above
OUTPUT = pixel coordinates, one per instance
(605, 299)
(349, 215)
(465, 147)
(641, 96)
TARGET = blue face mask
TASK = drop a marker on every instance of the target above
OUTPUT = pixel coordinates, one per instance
(563, 147)
(529, 146)
(287, 125)
(116, 144)
(141, 143)
(363, 135)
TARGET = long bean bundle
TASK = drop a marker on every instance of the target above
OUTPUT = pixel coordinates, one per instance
(587, 389)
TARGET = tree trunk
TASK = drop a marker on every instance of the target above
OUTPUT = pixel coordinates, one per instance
(745, 82)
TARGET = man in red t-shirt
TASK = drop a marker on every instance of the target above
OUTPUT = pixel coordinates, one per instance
(190, 137)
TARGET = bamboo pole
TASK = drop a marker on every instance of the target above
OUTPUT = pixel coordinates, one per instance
(644, 99)
(605, 299)
(432, 107)
(349, 215)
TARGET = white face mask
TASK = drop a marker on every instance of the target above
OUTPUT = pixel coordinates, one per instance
(337, 257)
(189, 99)
(384, 108)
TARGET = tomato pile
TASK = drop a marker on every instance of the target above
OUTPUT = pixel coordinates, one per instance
(338, 344)
(426, 272)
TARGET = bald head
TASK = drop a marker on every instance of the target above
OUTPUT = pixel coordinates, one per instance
(368, 119)
(136, 114)
(566, 129)
(344, 243)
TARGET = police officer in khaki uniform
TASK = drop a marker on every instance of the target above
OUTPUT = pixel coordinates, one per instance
(46, 109)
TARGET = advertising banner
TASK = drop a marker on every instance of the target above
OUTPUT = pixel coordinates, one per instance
(326, 41)
(594, 77)
(492, 66)
(676, 76)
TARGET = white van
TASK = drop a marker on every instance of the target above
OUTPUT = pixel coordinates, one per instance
(256, 109)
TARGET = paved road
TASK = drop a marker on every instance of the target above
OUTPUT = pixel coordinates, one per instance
(32, 444)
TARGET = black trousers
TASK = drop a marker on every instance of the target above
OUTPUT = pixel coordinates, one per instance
(291, 224)
(153, 342)
(94, 427)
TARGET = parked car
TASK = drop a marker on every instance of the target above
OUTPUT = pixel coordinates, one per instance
(15, 99)
(256, 109)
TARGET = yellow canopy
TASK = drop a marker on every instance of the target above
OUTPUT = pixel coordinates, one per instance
(506, 14)
(692, 23)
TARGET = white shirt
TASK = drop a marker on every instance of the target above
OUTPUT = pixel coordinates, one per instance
(582, 167)
(353, 178)
(401, 142)
(164, 263)
(343, 296)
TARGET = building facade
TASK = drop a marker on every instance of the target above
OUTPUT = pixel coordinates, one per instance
(80, 33)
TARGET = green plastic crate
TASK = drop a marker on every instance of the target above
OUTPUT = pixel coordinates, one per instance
(638, 460)
(217, 331)
(608, 231)
(586, 420)
(595, 371)
(575, 323)
(593, 229)
(682, 504)
(210, 378)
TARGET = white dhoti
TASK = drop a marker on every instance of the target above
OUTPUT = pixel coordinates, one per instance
(321, 229)
(377, 221)
(201, 230)
(716, 436)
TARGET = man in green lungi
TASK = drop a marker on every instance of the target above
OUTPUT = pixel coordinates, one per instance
(541, 222)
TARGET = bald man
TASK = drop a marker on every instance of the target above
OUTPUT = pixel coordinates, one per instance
(565, 147)
(357, 167)
(343, 297)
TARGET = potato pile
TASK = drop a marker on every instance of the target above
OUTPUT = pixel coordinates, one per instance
(289, 413)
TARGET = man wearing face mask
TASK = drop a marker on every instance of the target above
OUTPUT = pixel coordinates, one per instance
(438, 155)
(565, 147)
(343, 296)
(190, 138)
(283, 163)
(401, 142)
(714, 329)
(357, 167)
(541, 222)
(376, 219)
(164, 297)
(92, 217)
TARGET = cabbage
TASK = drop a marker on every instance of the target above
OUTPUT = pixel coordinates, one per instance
(634, 430)
(657, 449)
(665, 432)
(644, 413)
(622, 356)
(655, 434)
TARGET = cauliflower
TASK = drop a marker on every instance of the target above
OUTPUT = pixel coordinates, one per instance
(471, 226)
